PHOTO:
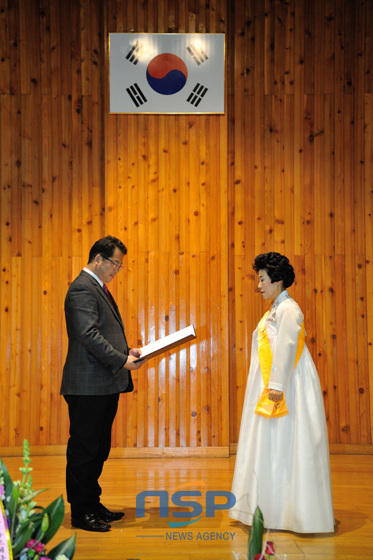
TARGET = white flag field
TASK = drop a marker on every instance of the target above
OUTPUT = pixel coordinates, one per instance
(167, 73)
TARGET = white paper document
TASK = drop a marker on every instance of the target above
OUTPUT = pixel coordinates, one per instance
(167, 343)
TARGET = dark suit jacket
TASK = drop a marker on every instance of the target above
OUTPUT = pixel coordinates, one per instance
(97, 343)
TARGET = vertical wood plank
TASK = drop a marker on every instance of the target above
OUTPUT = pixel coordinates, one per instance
(4, 50)
(344, 431)
(368, 197)
(350, 276)
(15, 428)
(5, 260)
(298, 128)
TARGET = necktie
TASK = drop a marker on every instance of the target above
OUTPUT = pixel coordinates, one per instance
(108, 294)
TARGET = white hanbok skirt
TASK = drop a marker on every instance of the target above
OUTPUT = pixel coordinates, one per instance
(282, 464)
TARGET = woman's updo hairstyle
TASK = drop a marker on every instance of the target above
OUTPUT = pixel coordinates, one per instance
(277, 266)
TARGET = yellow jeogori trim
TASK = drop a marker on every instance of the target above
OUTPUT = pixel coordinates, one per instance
(265, 407)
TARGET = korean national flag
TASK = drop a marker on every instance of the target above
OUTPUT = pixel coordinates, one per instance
(166, 73)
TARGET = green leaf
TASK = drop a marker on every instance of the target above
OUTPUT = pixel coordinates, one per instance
(23, 525)
(8, 483)
(66, 547)
(35, 520)
(22, 539)
(12, 507)
(256, 534)
(56, 513)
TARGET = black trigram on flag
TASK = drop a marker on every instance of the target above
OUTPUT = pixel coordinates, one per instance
(197, 53)
(198, 93)
(136, 95)
(135, 53)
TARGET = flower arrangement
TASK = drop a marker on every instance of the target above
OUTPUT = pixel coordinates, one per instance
(29, 527)
(259, 550)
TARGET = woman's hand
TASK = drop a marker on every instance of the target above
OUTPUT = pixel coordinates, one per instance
(275, 396)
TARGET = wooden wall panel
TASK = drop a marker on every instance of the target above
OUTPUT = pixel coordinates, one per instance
(172, 226)
(164, 179)
(194, 198)
(314, 153)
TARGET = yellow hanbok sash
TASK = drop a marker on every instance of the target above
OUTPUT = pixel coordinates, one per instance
(265, 407)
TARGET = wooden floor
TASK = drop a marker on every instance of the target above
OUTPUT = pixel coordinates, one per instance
(151, 538)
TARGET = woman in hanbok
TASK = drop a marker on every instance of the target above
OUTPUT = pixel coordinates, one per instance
(282, 462)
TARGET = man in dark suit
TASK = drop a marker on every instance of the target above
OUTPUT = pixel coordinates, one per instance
(97, 369)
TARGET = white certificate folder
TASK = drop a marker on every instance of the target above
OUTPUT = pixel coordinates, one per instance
(167, 343)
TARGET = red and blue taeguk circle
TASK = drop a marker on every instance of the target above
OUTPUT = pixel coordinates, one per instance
(167, 74)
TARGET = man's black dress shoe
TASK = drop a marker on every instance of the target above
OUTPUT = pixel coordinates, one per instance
(90, 522)
(108, 516)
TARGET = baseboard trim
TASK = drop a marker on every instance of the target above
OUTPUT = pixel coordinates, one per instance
(164, 452)
(334, 448)
(350, 449)
(124, 452)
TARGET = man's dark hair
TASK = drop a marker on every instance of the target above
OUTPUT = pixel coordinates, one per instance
(277, 266)
(106, 247)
